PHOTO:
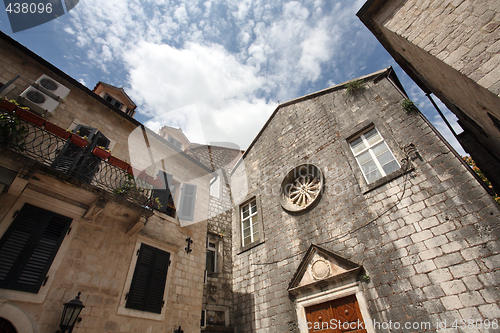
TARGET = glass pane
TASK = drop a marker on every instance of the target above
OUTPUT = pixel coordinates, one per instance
(246, 232)
(254, 206)
(364, 158)
(390, 167)
(369, 167)
(380, 149)
(255, 227)
(373, 176)
(385, 158)
(357, 145)
(256, 236)
(246, 241)
(210, 263)
(372, 136)
(255, 219)
(245, 211)
(246, 224)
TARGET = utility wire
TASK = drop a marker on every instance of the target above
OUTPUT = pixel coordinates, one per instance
(406, 163)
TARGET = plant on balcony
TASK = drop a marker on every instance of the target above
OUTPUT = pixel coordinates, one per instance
(102, 152)
(78, 140)
(12, 132)
(118, 163)
(130, 189)
(57, 130)
(7, 105)
(30, 117)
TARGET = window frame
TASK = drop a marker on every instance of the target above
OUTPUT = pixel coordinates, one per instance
(59, 207)
(122, 310)
(369, 148)
(37, 234)
(215, 187)
(392, 144)
(215, 239)
(239, 223)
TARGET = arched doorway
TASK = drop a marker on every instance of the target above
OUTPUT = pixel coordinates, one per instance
(6, 326)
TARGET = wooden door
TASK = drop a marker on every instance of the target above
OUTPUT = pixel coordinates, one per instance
(337, 316)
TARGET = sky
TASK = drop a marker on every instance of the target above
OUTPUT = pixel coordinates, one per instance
(229, 62)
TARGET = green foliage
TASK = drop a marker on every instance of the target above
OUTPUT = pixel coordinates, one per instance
(472, 164)
(408, 106)
(366, 278)
(12, 132)
(354, 86)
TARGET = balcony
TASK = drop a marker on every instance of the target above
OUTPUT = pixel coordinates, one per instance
(31, 136)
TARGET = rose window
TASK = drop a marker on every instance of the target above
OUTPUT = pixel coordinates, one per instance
(301, 188)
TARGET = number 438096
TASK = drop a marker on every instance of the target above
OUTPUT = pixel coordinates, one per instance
(25, 8)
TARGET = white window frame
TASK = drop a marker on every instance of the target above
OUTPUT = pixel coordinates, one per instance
(213, 249)
(250, 218)
(49, 203)
(122, 310)
(369, 148)
(215, 187)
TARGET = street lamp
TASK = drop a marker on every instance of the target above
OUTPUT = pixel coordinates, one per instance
(70, 314)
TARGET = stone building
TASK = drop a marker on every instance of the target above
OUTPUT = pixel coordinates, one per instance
(217, 314)
(128, 230)
(450, 49)
(348, 208)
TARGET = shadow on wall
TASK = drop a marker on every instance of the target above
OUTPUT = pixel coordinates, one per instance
(244, 313)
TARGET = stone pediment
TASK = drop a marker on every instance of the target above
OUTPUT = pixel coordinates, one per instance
(320, 268)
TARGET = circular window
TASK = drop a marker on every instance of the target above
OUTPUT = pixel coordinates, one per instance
(301, 188)
(48, 84)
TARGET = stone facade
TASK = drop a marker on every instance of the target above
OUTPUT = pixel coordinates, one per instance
(451, 49)
(218, 291)
(99, 254)
(426, 235)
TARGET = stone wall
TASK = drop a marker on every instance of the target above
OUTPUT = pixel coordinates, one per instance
(98, 256)
(464, 34)
(428, 239)
(452, 47)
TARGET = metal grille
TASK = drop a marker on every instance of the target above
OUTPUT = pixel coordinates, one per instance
(47, 148)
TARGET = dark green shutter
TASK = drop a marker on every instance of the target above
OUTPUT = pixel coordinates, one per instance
(29, 246)
(148, 283)
(70, 155)
(188, 199)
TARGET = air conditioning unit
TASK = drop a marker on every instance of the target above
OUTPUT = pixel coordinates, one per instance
(37, 100)
(51, 87)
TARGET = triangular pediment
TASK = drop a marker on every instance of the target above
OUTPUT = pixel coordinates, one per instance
(321, 267)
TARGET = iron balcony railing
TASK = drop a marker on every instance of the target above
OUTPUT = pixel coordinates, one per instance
(62, 155)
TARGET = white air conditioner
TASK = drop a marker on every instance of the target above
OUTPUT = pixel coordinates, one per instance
(51, 87)
(37, 100)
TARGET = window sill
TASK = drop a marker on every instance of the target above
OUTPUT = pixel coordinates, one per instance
(249, 246)
(141, 314)
(366, 188)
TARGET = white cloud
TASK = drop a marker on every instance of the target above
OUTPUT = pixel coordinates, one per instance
(236, 57)
(164, 79)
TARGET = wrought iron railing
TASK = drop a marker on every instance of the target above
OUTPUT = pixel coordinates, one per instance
(62, 155)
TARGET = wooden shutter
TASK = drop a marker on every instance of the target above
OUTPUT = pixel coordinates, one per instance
(70, 155)
(29, 246)
(148, 282)
(188, 199)
(90, 163)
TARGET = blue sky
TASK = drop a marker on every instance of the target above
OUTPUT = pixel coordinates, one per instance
(230, 60)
